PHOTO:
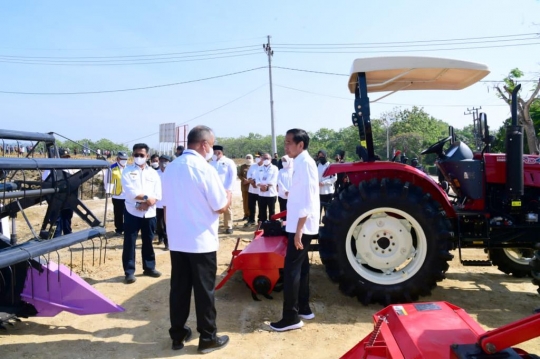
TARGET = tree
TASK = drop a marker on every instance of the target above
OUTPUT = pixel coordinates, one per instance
(524, 106)
(466, 135)
(414, 130)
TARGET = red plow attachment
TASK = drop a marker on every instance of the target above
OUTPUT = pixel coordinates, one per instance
(440, 330)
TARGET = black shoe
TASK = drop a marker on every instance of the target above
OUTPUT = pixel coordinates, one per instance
(284, 325)
(152, 273)
(229, 231)
(249, 224)
(245, 218)
(166, 247)
(179, 344)
(306, 313)
(160, 241)
(130, 278)
(208, 347)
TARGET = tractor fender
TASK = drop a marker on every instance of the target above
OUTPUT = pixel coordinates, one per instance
(365, 171)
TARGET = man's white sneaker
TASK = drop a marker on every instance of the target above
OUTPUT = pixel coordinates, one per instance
(283, 326)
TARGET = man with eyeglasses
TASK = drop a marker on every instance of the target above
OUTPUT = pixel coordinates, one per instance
(142, 189)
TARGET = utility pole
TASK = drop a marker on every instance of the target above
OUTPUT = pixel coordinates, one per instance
(477, 126)
(270, 53)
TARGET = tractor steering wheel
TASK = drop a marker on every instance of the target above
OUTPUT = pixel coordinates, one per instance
(436, 147)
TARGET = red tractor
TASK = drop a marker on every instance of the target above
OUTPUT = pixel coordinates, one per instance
(387, 237)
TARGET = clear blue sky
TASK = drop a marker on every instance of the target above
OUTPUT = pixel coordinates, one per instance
(126, 28)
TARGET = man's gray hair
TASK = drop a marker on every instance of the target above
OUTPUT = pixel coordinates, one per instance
(199, 133)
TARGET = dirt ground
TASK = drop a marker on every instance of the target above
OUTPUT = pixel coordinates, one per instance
(489, 296)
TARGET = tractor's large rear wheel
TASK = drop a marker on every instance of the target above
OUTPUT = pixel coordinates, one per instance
(512, 261)
(385, 241)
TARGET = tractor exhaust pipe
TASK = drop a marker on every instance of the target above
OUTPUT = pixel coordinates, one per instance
(514, 152)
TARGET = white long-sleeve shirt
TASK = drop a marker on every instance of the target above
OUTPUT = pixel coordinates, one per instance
(136, 181)
(159, 204)
(192, 195)
(284, 181)
(252, 172)
(226, 170)
(328, 181)
(304, 196)
(267, 175)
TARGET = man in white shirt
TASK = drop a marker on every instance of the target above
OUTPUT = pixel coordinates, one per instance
(226, 169)
(142, 189)
(193, 199)
(302, 226)
(253, 192)
(266, 181)
(284, 182)
(161, 228)
(326, 184)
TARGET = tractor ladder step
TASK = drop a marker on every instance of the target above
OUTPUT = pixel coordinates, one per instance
(477, 263)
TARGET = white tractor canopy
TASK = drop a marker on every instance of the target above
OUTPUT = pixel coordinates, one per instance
(400, 73)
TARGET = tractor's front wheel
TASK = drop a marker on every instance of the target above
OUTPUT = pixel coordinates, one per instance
(512, 261)
(385, 241)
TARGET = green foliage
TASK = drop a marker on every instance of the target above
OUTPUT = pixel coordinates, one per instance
(414, 130)
(103, 144)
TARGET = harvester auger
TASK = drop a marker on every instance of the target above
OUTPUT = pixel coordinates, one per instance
(30, 283)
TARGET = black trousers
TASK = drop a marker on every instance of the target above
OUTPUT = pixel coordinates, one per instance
(325, 199)
(282, 204)
(118, 206)
(296, 278)
(267, 207)
(63, 223)
(253, 199)
(195, 271)
(161, 228)
(132, 226)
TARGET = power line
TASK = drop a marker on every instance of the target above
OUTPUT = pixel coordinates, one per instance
(126, 64)
(132, 89)
(131, 48)
(311, 71)
(204, 114)
(334, 47)
(378, 102)
(228, 103)
(414, 50)
(412, 42)
(237, 48)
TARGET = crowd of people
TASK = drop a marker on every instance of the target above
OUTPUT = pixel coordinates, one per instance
(181, 199)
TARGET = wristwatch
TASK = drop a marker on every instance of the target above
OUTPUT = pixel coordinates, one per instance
(145, 198)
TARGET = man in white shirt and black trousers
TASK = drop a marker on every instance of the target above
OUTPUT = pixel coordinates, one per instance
(142, 189)
(226, 169)
(193, 199)
(266, 181)
(302, 226)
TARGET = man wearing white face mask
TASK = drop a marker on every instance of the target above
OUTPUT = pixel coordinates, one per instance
(266, 181)
(142, 189)
(154, 161)
(226, 170)
(112, 180)
(284, 182)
